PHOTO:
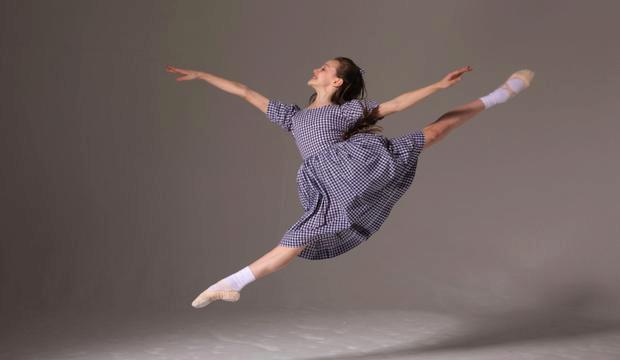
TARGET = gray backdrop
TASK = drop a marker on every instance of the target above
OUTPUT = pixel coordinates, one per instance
(124, 190)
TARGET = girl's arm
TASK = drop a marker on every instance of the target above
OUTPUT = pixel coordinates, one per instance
(256, 99)
(233, 87)
(408, 99)
(403, 101)
(238, 89)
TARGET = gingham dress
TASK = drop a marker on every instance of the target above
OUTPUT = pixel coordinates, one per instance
(346, 188)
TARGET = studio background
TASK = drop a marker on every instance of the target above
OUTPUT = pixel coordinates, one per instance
(124, 191)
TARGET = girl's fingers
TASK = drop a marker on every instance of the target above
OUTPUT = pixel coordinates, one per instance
(188, 74)
(460, 72)
(177, 70)
(464, 69)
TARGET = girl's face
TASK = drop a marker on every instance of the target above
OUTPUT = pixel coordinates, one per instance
(325, 75)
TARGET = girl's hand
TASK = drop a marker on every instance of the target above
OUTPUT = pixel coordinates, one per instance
(189, 74)
(453, 77)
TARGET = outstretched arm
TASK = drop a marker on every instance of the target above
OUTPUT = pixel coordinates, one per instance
(256, 99)
(403, 101)
(233, 87)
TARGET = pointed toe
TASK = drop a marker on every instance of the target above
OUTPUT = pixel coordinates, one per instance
(526, 75)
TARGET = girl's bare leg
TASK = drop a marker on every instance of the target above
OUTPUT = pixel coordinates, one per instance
(229, 288)
(438, 129)
(274, 260)
(516, 82)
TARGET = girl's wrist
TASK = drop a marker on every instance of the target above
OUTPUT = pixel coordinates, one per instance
(436, 86)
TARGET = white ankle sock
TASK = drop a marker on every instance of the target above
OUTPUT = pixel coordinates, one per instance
(241, 278)
(501, 95)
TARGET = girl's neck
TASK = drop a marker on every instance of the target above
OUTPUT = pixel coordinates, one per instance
(322, 98)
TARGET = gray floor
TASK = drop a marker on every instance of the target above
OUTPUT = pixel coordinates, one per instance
(222, 331)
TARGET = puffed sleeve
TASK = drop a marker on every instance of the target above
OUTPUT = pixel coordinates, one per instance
(353, 109)
(281, 113)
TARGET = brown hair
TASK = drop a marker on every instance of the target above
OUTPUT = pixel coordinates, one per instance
(353, 87)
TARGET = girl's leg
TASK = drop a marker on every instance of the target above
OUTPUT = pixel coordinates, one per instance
(229, 288)
(274, 260)
(438, 129)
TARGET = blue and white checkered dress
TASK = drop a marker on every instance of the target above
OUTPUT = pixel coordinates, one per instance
(346, 188)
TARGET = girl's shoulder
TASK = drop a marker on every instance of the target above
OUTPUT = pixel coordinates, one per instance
(354, 108)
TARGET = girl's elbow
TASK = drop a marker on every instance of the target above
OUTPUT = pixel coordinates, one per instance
(388, 108)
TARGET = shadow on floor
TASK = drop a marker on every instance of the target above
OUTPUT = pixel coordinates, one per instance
(565, 315)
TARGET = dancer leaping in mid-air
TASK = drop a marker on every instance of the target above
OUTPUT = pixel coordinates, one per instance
(351, 176)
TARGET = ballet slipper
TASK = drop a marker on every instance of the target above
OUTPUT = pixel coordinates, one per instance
(209, 296)
(525, 75)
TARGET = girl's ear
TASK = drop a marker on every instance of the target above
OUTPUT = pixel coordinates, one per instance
(337, 82)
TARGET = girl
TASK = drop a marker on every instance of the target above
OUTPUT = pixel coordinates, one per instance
(351, 177)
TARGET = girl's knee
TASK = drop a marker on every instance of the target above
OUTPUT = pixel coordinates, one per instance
(430, 136)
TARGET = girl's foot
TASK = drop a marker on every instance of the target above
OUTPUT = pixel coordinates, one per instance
(221, 290)
(517, 82)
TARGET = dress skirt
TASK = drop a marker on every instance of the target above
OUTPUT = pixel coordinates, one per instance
(348, 190)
